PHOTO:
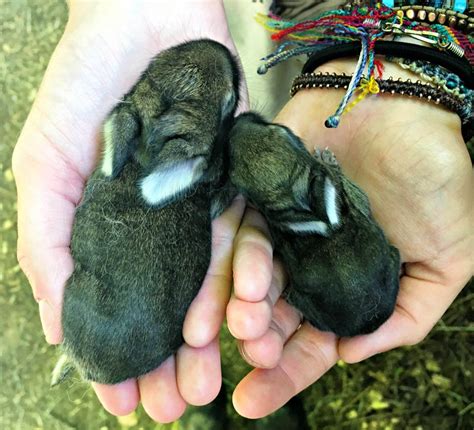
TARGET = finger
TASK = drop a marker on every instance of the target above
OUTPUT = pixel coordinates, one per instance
(46, 204)
(199, 373)
(266, 351)
(119, 399)
(306, 357)
(420, 304)
(251, 320)
(160, 395)
(253, 258)
(207, 311)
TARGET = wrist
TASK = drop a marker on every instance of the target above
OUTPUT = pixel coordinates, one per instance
(308, 110)
(305, 113)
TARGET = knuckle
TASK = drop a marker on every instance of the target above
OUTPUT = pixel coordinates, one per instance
(314, 353)
(253, 236)
(25, 265)
(23, 260)
(416, 337)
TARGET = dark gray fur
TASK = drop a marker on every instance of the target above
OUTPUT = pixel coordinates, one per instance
(139, 266)
(345, 281)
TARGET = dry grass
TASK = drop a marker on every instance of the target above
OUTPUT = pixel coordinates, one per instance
(424, 387)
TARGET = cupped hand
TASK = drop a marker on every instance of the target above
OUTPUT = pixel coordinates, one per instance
(409, 156)
(104, 49)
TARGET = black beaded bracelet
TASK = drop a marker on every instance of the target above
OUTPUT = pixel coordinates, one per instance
(391, 86)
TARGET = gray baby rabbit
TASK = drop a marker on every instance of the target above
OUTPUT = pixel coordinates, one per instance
(141, 240)
(344, 275)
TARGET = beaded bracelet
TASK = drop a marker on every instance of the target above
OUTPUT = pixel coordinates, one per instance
(461, 6)
(429, 14)
(391, 86)
(446, 13)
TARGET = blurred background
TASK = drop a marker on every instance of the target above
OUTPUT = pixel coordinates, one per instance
(428, 386)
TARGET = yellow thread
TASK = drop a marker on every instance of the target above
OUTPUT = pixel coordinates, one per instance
(450, 31)
(321, 36)
(365, 87)
(263, 21)
(400, 17)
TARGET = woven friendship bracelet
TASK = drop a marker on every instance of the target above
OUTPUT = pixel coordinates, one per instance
(435, 75)
(391, 86)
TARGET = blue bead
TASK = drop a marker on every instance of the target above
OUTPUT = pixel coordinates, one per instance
(460, 5)
(451, 83)
(332, 121)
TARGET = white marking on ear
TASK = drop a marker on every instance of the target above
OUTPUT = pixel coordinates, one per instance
(228, 103)
(108, 157)
(318, 227)
(165, 183)
(330, 199)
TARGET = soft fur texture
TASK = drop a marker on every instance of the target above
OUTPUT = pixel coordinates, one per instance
(344, 275)
(141, 251)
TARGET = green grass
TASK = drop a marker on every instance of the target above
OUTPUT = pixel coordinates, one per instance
(428, 386)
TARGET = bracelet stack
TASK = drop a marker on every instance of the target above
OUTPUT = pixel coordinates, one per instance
(441, 53)
(417, 89)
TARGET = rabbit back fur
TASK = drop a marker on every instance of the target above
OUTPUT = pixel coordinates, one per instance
(134, 279)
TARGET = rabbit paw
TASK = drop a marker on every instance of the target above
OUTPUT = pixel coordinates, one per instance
(326, 156)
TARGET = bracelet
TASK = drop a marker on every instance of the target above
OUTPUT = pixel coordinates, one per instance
(431, 15)
(461, 6)
(460, 67)
(359, 30)
(423, 91)
(435, 75)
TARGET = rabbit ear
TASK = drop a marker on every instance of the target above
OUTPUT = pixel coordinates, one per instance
(325, 206)
(165, 184)
(119, 135)
(331, 202)
(309, 227)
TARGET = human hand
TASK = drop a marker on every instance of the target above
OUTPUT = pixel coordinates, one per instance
(409, 156)
(104, 49)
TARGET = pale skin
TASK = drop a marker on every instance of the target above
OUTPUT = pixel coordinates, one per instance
(409, 157)
(104, 49)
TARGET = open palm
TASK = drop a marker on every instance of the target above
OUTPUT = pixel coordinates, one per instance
(410, 158)
(105, 48)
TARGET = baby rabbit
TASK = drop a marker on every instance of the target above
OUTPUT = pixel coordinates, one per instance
(344, 275)
(141, 240)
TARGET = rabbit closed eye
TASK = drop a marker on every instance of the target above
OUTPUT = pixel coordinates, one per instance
(344, 275)
(141, 239)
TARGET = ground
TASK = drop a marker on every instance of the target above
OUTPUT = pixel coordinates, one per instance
(428, 386)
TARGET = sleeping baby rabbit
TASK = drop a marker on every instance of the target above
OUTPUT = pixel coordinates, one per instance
(344, 275)
(142, 234)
